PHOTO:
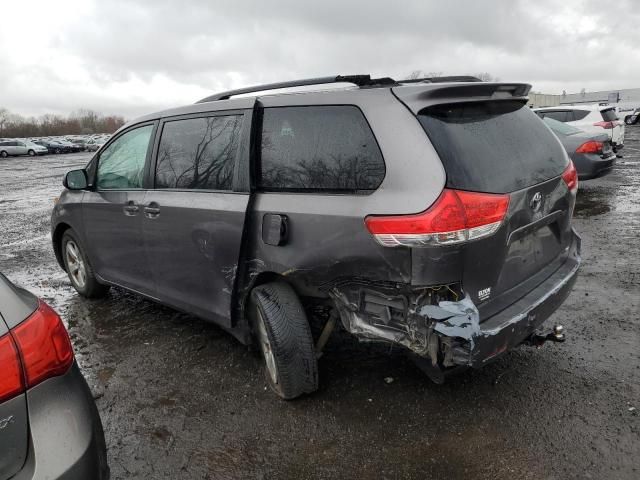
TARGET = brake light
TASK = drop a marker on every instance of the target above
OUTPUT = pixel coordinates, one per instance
(570, 177)
(11, 381)
(604, 124)
(37, 349)
(590, 147)
(455, 217)
(44, 345)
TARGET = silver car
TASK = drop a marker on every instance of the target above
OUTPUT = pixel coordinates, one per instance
(19, 147)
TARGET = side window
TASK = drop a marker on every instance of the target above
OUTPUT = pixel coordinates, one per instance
(198, 153)
(326, 148)
(121, 164)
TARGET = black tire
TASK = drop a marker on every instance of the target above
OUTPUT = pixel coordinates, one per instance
(58, 151)
(90, 287)
(32, 153)
(288, 334)
(4, 154)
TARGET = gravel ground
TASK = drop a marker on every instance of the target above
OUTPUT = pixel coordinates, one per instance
(181, 399)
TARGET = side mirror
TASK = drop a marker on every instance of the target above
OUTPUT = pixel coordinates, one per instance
(75, 180)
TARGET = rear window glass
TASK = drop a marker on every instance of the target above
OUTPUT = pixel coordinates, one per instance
(609, 115)
(560, 128)
(497, 147)
(319, 148)
(560, 116)
(580, 114)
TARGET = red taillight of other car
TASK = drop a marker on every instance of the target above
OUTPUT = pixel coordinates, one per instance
(605, 124)
(570, 177)
(590, 147)
(11, 378)
(456, 216)
(39, 348)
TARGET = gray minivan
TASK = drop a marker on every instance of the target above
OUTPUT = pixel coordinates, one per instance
(432, 215)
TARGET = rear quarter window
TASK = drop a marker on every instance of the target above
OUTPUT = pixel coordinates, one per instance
(328, 148)
(609, 115)
(580, 114)
(495, 146)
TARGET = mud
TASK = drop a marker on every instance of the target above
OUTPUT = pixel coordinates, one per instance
(181, 399)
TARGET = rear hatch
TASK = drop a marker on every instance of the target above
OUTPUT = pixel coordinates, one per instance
(15, 306)
(491, 142)
(612, 125)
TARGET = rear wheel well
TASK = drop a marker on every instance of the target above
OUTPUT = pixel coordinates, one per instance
(56, 239)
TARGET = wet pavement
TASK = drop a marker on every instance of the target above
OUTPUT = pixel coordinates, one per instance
(181, 399)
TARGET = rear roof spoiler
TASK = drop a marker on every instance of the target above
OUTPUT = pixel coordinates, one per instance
(424, 95)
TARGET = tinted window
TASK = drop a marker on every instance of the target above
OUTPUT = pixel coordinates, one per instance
(121, 165)
(580, 114)
(560, 116)
(495, 147)
(561, 128)
(198, 153)
(327, 148)
(609, 115)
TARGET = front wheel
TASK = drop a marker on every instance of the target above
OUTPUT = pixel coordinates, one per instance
(631, 119)
(4, 154)
(32, 153)
(58, 151)
(282, 330)
(79, 269)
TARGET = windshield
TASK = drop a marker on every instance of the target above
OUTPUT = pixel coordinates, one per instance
(559, 127)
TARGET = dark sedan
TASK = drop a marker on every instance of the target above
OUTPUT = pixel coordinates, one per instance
(592, 154)
(49, 423)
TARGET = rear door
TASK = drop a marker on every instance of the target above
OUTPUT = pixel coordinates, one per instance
(500, 146)
(112, 210)
(193, 219)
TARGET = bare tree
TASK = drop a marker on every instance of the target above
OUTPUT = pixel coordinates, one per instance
(82, 121)
(4, 118)
(486, 77)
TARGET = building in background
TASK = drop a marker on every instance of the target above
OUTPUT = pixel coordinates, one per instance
(626, 100)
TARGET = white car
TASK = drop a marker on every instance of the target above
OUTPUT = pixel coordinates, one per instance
(21, 147)
(590, 118)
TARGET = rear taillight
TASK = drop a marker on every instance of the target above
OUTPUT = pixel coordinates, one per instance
(455, 217)
(11, 380)
(605, 124)
(570, 177)
(44, 345)
(37, 349)
(590, 147)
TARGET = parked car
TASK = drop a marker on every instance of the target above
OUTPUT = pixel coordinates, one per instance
(317, 215)
(71, 147)
(54, 146)
(633, 118)
(49, 423)
(592, 154)
(589, 118)
(20, 147)
(81, 143)
(35, 148)
(94, 145)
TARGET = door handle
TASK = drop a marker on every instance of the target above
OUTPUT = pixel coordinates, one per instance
(152, 210)
(130, 208)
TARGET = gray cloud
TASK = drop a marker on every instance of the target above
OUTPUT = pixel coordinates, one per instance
(126, 51)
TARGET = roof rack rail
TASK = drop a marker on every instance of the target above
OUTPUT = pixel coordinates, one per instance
(359, 80)
(452, 78)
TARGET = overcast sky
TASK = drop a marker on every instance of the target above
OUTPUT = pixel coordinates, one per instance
(132, 57)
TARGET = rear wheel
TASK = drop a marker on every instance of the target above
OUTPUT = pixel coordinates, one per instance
(79, 269)
(58, 150)
(4, 154)
(282, 330)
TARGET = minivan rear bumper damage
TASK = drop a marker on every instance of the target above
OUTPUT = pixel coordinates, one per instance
(452, 334)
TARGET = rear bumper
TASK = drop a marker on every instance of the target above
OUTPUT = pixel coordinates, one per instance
(455, 333)
(593, 166)
(66, 438)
